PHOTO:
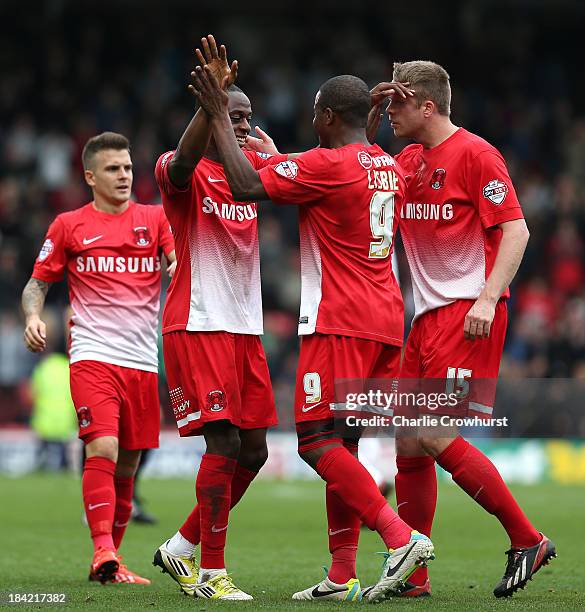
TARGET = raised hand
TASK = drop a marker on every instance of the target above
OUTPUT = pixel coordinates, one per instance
(264, 144)
(217, 61)
(211, 94)
(374, 119)
(384, 90)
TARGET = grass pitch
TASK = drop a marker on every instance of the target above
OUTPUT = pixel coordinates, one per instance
(277, 544)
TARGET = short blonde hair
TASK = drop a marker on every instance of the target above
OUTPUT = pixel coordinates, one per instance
(429, 80)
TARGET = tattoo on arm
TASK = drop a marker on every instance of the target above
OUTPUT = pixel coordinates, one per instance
(33, 297)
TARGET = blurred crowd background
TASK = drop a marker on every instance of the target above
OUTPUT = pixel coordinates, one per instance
(70, 70)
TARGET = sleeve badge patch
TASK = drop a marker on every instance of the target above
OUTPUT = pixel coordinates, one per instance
(496, 191)
(165, 159)
(288, 169)
(47, 248)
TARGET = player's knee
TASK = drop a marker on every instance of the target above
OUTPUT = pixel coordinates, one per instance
(431, 446)
(105, 446)
(311, 456)
(127, 463)
(315, 438)
(409, 446)
(222, 438)
(352, 445)
(253, 458)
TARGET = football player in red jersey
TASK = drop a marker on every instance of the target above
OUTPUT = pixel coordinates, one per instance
(111, 250)
(217, 371)
(464, 236)
(351, 308)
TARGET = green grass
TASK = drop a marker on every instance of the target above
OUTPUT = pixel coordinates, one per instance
(277, 544)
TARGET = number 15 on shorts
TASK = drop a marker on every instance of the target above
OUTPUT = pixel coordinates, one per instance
(457, 382)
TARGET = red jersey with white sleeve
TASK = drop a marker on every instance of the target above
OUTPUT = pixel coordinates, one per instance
(351, 199)
(113, 265)
(216, 286)
(458, 192)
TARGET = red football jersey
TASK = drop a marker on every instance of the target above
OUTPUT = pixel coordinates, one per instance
(113, 265)
(458, 192)
(217, 283)
(351, 200)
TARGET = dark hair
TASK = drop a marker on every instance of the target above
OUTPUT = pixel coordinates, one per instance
(347, 96)
(102, 142)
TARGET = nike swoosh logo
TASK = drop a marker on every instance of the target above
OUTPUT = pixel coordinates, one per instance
(307, 408)
(216, 530)
(317, 593)
(94, 506)
(90, 240)
(392, 570)
(212, 180)
(117, 524)
(332, 533)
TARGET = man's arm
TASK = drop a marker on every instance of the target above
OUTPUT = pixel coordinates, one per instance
(378, 99)
(33, 300)
(190, 149)
(515, 236)
(265, 144)
(195, 138)
(243, 180)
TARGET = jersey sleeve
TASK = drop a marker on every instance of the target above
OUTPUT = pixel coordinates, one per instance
(52, 259)
(302, 181)
(165, 236)
(491, 190)
(161, 174)
(261, 160)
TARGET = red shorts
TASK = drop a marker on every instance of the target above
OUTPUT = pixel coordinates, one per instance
(437, 349)
(327, 359)
(112, 400)
(214, 376)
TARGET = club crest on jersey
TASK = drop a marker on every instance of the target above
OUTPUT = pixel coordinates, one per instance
(216, 400)
(438, 178)
(84, 417)
(288, 169)
(142, 236)
(365, 160)
(495, 191)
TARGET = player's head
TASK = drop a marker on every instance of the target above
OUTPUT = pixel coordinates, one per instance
(432, 97)
(342, 102)
(240, 111)
(108, 167)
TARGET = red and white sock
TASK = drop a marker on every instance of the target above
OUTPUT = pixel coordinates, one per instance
(350, 481)
(99, 499)
(124, 492)
(416, 498)
(480, 479)
(213, 487)
(189, 535)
